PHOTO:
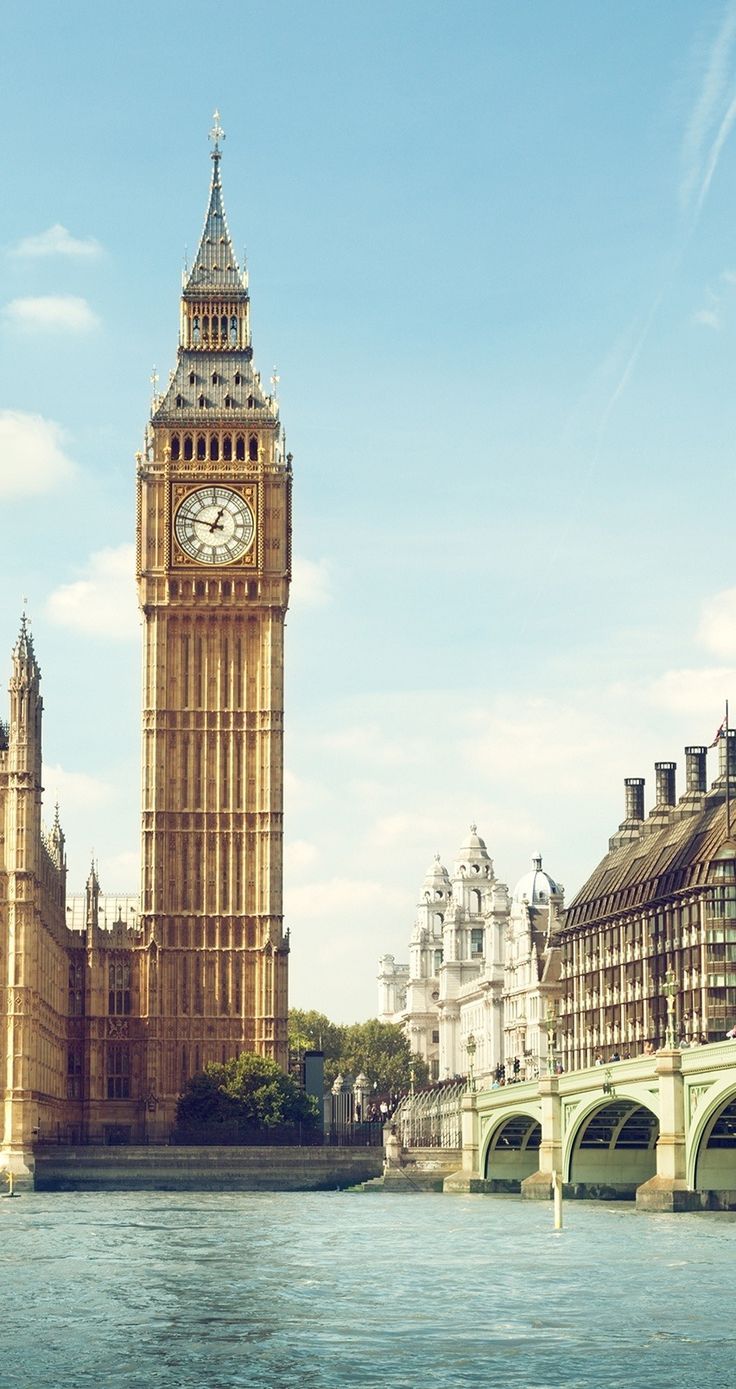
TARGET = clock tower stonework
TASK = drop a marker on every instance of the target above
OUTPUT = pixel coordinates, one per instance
(214, 565)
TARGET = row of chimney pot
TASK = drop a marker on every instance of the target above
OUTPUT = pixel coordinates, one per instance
(695, 776)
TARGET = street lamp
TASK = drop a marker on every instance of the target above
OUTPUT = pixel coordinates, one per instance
(550, 1024)
(470, 1051)
(669, 989)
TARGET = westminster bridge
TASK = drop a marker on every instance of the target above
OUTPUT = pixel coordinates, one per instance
(660, 1128)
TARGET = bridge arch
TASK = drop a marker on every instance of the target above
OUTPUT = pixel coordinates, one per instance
(711, 1149)
(511, 1149)
(612, 1144)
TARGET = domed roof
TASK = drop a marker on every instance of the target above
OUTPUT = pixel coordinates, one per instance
(537, 886)
(473, 847)
(436, 875)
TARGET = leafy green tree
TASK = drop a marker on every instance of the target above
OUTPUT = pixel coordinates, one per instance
(312, 1031)
(382, 1052)
(249, 1091)
(379, 1049)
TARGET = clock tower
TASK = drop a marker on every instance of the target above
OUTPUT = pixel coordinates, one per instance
(214, 564)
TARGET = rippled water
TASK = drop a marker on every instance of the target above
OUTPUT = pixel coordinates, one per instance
(320, 1290)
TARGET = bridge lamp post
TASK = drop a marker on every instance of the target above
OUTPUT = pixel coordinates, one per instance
(670, 991)
(470, 1048)
(550, 1024)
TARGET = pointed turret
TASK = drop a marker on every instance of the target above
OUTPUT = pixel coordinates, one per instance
(215, 265)
(26, 708)
(57, 840)
(215, 379)
(26, 671)
(92, 898)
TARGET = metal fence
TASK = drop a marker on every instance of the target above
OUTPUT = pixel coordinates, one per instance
(357, 1135)
(431, 1118)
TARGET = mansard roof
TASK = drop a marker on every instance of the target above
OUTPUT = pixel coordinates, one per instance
(215, 376)
(653, 866)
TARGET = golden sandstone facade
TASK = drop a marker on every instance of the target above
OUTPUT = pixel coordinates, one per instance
(107, 1019)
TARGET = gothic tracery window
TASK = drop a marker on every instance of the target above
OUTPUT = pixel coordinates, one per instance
(118, 1072)
(118, 996)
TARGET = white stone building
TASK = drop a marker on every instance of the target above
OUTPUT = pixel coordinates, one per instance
(531, 969)
(481, 965)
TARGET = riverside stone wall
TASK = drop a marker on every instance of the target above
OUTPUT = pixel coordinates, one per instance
(204, 1169)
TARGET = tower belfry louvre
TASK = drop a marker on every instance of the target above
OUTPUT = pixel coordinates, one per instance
(109, 1004)
(214, 559)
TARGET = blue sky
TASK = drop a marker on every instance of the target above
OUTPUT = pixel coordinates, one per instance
(492, 253)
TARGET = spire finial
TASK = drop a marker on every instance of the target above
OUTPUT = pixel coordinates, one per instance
(216, 135)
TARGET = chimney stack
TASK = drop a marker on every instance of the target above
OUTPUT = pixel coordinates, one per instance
(727, 754)
(633, 822)
(695, 773)
(665, 781)
(634, 789)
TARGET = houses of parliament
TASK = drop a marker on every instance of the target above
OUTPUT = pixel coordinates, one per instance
(107, 1013)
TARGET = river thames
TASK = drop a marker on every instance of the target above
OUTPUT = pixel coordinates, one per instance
(323, 1290)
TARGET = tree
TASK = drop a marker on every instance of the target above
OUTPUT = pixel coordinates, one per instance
(312, 1031)
(249, 1092)
(381, 1050)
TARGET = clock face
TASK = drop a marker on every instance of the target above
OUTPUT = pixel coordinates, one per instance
(214, 525)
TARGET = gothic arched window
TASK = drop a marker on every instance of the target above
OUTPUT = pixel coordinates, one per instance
(253, 448)
(175, 446)
(227, 448)
(188, 447)
(214, 448)
(240, 447)
(201, 446)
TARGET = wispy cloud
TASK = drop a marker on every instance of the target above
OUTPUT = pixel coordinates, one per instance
(712, 117)
(76, 790)
(102, 601)
(717, 626)
(717, 303)
(58, 241)
(52, 311)
(311, 583)
(32, 457)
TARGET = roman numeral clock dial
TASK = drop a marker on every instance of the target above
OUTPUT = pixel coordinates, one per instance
(214, 525)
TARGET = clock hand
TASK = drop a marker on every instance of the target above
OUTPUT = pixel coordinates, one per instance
(199, 521)
(214, 526)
